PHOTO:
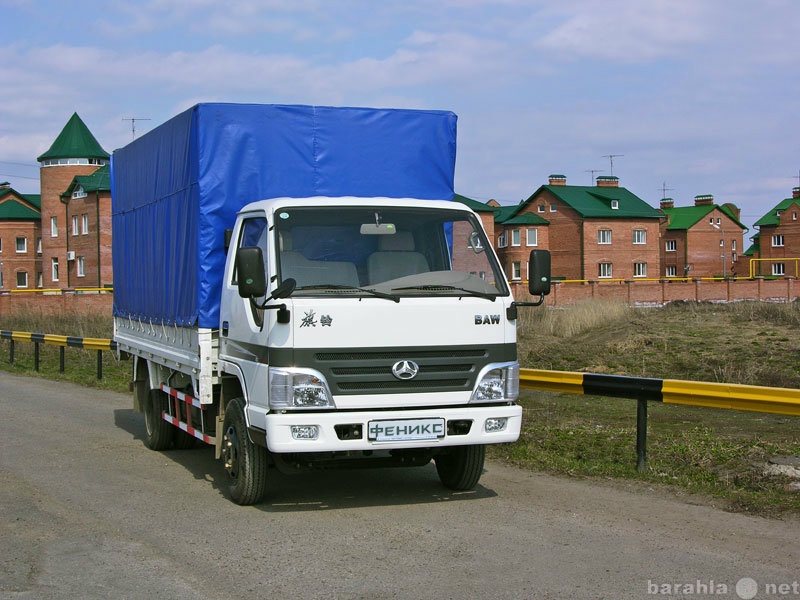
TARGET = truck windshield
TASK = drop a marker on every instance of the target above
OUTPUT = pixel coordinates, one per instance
(387, 252)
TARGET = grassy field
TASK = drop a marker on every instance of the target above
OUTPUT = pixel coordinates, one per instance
(718, 456)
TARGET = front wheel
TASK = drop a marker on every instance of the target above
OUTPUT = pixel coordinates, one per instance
(461, 467)
(245, 462)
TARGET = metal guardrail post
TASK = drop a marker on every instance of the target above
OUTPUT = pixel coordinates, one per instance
(99, 364)
(61, 359)
(641, 435)
(36, 356)
(11, 353)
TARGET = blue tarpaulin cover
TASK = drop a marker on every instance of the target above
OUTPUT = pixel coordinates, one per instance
(177, 188)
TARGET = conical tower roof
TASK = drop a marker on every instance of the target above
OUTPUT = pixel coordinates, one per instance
(75, 141)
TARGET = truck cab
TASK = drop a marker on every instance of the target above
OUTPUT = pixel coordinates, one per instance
(389, 337)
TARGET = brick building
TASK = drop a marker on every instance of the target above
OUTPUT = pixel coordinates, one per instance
(74, 153)
(87, 203)
(704, 240)
(777, 243)
(596, 232)
(20, 239)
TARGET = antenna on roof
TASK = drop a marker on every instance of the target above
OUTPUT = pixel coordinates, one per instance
(133, 124)
(593, 171)
(611, 158)
(664, 190)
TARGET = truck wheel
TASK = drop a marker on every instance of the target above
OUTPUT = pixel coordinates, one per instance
(158, 433)
(184, 441)
(245, 462)
(461, 467)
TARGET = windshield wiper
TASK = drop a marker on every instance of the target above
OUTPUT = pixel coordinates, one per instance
(448, 288)
(332, 286)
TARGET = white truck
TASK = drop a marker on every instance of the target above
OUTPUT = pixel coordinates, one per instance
(347, 330)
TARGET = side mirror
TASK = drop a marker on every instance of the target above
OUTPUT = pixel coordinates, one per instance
(250, 275)
(539, 273)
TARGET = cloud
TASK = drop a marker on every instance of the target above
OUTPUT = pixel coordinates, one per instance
(623, 31)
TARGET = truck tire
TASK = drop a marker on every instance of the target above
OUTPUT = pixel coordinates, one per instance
(245, 462)
(461, 467)
(184, 441)
(158, 433)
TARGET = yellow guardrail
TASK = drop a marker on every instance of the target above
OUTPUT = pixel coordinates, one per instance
(64, 341)
(733, 396)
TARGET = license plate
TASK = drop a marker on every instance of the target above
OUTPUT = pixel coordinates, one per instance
(405, 429)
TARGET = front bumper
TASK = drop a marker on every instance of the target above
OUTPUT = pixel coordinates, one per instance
(279, 428)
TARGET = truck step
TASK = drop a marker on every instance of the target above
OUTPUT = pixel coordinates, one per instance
(187, 426)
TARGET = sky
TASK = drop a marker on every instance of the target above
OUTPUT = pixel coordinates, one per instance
(690, 96)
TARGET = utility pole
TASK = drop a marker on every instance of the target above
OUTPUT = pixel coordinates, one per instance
(611, 158)
(133, 124)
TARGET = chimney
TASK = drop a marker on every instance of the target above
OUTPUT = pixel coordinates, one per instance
(735, 210)
(556, 179)
(667, 203)
(796, 192)
(608, 181)
(704, 200)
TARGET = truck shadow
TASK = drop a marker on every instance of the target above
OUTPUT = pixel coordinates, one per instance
(317, 490)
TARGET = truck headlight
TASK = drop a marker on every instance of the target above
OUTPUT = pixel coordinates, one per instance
(298, 389)
(497, 383)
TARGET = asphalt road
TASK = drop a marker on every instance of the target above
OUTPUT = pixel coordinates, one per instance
(86, 511)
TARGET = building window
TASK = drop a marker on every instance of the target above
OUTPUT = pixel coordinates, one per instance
(777, 240)
(74, 224)
(604, 270)
(22, 245)
(80, 266)
(22, 279)
(794, 216)
(733, 245)
(54, 269)
(639, 236)
(540, 208)
(553, 208)
(515, 237)
(733, 257)
(53, 226)
(1, 244)
(38, 245)
(532, 237)
(672, 271)
(516, 270)
(640, 269)
(778, 269)
(604, 236)
(671, 246)
(615, 205)
(501, 240)
(85, 224)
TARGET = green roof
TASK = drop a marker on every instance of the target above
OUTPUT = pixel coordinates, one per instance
(685, 217)
(504, 213)
(772, 218)
(526, 219)
(474, 204)
(75, 141)
(596, 202)
(99, 181)
(19, 207)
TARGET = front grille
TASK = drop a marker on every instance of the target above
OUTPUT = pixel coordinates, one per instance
(368, 372)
